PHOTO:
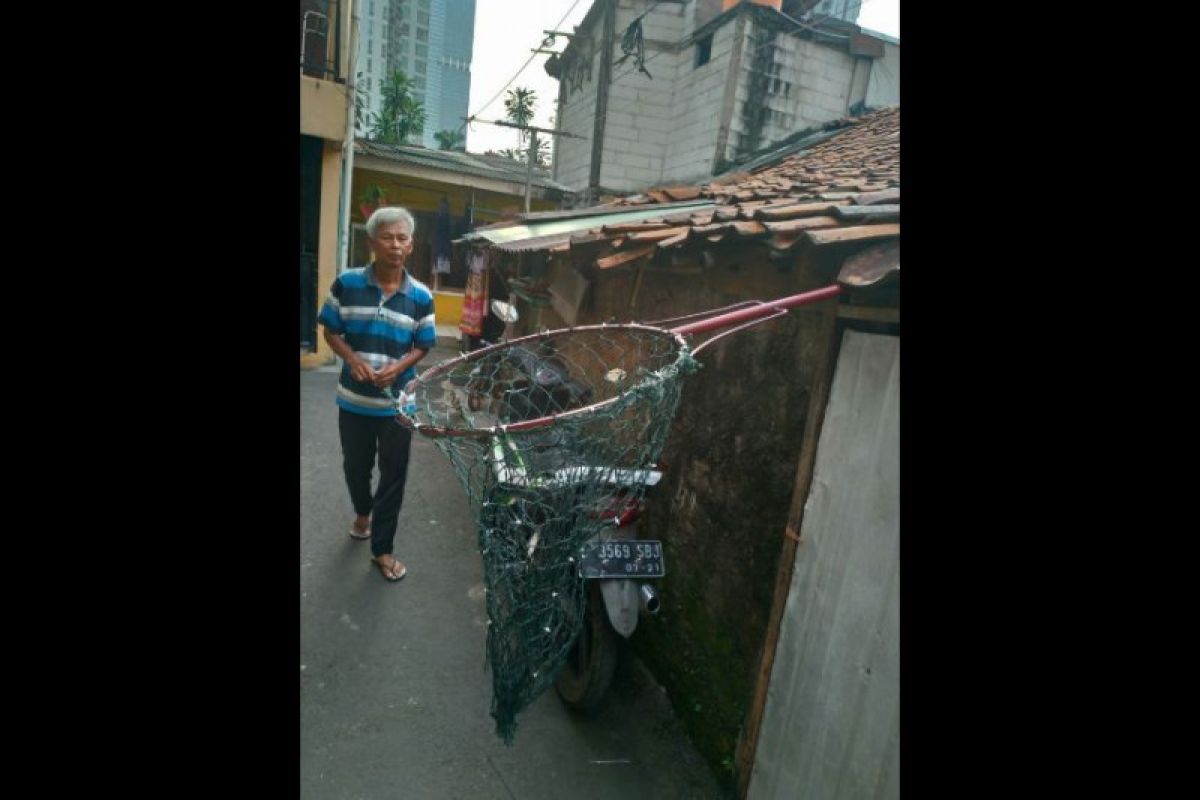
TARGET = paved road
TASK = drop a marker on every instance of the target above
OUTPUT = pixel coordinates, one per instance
(394, 695)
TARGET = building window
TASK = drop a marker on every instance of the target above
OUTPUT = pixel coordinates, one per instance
(704, 50)
(422, 35)
(369, 68)
(422, 51)
(423, 18)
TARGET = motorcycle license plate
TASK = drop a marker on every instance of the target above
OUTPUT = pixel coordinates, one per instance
(624, 558)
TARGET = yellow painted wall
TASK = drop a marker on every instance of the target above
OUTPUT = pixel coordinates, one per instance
(322, 108)
(447, 307)
(327, 248)
(422, 194)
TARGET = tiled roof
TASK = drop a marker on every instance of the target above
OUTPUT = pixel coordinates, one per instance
(843, 189)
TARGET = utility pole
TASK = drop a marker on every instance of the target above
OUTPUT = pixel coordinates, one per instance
(602, 82)
(533, 141)
(347, 177)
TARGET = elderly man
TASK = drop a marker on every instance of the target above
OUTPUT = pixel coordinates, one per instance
(379, 320)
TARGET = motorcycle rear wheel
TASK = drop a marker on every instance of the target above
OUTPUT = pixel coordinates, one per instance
(588, 673)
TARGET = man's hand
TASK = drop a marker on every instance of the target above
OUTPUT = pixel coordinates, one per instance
(361, 371)
(388, 375)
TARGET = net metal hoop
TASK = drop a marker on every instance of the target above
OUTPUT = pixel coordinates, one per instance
(440, 371)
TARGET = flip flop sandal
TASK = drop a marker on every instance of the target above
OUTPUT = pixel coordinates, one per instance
(389, 574)
(355, 534)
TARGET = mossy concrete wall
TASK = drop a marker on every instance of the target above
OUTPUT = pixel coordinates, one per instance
(730, 467)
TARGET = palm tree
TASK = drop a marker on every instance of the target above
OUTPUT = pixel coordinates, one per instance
(450, 140)
(518, 107)
(401, 115)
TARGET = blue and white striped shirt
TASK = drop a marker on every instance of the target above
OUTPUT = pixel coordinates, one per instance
(380, 330)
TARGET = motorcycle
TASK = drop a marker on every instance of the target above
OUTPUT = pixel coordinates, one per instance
(616, 565)
(618, 568)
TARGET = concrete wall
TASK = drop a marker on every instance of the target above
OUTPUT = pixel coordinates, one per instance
(322, 108)
(640, 120)
(729, 472)
(813, 86)
(657, 130)
(696, 110)
(667, 129)
(823, 74)
(883, 88)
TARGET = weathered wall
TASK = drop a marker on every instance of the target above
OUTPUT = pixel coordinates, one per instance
(640, 120)
(831, 726)
(696, 110)
(800, 84)
(730, 465)
(883, 89)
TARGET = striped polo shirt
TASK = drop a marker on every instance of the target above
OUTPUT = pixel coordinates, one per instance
(379, 329)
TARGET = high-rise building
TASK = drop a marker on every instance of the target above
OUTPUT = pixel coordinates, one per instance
(431, 41)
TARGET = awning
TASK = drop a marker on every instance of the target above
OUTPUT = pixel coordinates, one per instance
(542, 235)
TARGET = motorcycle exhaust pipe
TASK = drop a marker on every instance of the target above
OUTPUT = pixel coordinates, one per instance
(650, 602)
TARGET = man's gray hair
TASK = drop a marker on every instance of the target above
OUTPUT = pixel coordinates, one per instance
(389, 214)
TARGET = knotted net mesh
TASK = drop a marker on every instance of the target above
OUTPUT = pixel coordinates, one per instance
(552, 436)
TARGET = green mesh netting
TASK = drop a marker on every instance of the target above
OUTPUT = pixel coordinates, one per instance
(540, 492)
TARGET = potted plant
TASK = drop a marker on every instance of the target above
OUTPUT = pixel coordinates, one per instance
(372, 198)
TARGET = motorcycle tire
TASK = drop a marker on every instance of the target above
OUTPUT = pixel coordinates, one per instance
(588, 673)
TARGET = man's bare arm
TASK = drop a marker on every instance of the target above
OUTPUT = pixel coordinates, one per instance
(359, 369)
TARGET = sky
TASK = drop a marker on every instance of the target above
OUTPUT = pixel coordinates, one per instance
(506, 31)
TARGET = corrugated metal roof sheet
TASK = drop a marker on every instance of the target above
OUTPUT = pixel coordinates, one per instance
(544, 234)
(494, 167)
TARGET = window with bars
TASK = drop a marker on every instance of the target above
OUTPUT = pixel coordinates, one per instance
(320, 39)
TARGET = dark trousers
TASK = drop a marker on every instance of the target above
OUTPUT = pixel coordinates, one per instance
(362, 438)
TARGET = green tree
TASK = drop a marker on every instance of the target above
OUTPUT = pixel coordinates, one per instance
(450, 140)
(518, 107)
(401, 114)
(521, 156)
(360, 105)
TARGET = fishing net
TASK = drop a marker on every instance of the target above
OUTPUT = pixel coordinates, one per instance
(552, 436)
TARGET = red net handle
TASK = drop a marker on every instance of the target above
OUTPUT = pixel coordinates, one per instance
(761, 311)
